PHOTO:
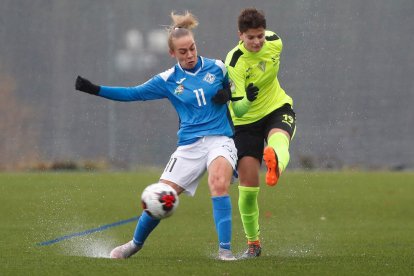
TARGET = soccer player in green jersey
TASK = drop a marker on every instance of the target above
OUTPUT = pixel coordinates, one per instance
(261, 111)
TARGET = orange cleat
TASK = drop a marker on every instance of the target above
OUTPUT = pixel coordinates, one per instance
(270, 158)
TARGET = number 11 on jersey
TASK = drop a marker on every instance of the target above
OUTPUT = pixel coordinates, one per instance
(200, 94)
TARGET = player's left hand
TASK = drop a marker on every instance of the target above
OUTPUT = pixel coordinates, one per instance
(251, 92)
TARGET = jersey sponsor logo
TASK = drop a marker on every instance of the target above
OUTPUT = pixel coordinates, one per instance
(249, 73)
(179, 89)
(275, 60)
(209, 78)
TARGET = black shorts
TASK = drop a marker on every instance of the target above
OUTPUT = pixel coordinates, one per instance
(250, 138)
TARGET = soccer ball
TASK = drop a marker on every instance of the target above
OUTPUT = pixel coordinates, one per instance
(159, 200)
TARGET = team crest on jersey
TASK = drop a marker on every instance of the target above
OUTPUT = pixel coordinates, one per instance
(262, 65)
(179, 89)
(209, 78)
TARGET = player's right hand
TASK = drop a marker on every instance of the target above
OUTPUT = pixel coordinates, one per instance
(251, 92)
(222, 96)
(86, 86)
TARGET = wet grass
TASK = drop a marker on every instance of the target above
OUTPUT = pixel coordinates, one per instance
(318, 223)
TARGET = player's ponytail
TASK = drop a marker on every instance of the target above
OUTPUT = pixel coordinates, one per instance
(182, 24)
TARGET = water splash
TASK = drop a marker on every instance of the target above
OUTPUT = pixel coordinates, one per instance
(93, 247)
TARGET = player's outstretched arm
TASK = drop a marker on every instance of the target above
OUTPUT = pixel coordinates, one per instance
(86, 86)
(150, 90)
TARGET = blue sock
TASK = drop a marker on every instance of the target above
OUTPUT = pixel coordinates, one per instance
(144, 227)
(222, 219)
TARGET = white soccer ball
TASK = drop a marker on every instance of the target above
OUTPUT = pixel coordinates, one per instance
(159, 200)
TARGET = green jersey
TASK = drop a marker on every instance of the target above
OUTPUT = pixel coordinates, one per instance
(261, 69)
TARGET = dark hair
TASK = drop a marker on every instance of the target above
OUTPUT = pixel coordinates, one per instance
(251, 18)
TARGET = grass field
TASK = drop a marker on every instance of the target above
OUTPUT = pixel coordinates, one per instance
(318, 223)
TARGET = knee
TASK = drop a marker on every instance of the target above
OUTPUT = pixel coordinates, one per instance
(218, 184)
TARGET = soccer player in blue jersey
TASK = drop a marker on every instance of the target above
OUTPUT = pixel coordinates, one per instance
(194, 86)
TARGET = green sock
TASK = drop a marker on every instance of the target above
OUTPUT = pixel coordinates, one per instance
(249, 211)
(280, 143)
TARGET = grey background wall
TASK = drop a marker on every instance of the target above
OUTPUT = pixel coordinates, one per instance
(347, 64)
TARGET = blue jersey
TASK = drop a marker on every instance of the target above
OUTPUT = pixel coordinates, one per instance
(191, 95)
